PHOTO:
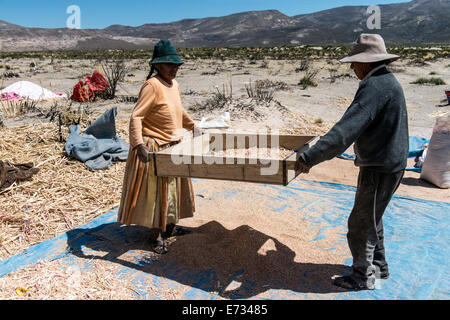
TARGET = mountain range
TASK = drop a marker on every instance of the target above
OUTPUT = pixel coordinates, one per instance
(414, 22)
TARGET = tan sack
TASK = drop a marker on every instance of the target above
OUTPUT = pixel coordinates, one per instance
(436, 168)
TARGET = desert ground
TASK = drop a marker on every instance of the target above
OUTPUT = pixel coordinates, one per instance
(203, 82)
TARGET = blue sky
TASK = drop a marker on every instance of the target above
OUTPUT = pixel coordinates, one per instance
(101, 13)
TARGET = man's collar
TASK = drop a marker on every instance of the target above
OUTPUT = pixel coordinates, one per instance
(371, 73)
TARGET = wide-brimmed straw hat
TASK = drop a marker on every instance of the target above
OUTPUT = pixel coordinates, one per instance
(165, 52)
(369, 48)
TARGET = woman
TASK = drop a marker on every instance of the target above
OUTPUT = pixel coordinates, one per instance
(157, 123)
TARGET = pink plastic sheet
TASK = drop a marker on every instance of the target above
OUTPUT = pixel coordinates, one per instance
(11, 96)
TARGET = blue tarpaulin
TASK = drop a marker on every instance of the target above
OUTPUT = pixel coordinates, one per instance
(416, 145)
(99, 145)
(417, 234)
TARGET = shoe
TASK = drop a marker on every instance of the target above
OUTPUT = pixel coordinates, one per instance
(348, 282)
(382, 273)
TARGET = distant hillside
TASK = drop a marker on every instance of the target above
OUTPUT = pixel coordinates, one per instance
(415, 22)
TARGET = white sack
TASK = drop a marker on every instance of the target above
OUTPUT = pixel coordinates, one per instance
(436, 167)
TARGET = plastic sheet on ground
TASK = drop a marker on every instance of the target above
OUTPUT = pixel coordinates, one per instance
(10, 96)
(416, 148)
(32, 91)
(416, 238)
(222, 121)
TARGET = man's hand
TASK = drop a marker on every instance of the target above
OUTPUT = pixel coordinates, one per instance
(301, 166)
(197, 132)
(143, 153)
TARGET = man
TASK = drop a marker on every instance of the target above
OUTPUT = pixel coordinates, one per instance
(377, 123)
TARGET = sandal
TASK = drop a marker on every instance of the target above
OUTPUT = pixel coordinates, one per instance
(174, 231)
(181, 231)
(348, 282)
(159, 246)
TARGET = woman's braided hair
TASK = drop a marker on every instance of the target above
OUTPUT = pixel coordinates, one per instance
(152, 70)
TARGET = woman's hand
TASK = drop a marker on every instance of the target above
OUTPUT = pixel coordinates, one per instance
(143, 153)
(197, 132)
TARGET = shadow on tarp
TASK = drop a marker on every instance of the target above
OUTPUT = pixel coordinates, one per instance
(211, 275)
(417, 234)
(417, 182)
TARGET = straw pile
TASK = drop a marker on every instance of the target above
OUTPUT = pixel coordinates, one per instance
(56, 281)
(62, 196)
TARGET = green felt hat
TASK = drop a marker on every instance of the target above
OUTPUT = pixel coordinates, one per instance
(165, 52)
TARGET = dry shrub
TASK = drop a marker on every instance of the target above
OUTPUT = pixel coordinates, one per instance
(114, 71)
(259, 92)
(15, 108)
(305, 63)
(65, 115)
(309, 79)
(267, 83)
(432, 80)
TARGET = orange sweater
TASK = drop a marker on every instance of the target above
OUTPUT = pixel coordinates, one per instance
(159, 114)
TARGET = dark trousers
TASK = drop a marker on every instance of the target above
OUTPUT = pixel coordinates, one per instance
(365, 226)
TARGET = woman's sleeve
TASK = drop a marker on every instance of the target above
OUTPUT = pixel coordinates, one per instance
(188, 123)
(143, 106)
